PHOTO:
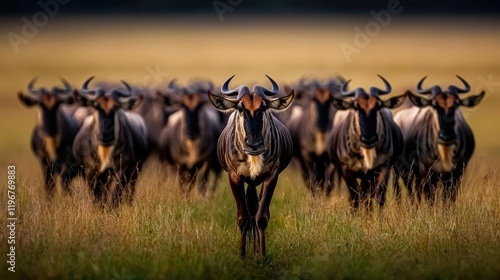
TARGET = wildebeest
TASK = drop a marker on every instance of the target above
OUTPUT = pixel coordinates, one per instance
(309, 125)
(254, 148)
(154, 112)
(365, 141)
(438, 141)
(188, 142)
(112, 142)
(52, 137)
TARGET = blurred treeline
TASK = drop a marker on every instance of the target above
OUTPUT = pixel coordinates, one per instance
(442, 7)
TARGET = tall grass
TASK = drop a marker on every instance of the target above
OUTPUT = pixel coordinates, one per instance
(166, 234)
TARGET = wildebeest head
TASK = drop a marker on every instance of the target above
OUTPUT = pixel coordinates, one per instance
(445, 103)
(367, 105)
(251, 108)
(106, 104)
(322, 97)
(48, 101)
(190, 99)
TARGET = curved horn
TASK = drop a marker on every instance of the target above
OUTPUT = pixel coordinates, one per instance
(67, 86)
(457, 90)
(31, 84)
(129, 89)
(172, 84)
(85, 91)
(344, 90)
(268, 92)
(420, 89)
(335, 85)
(85, 86)
(378, 91)
(66, 90)
(239, 91)
(434, 90)
(225, 88)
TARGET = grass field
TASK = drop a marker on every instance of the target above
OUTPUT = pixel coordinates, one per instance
(165, 235)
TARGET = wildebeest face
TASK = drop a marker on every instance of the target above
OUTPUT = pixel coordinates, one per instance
(48, 103)
(251, 109)
(322, 100)
(191, 104)
(106, 108)
(446, 104)
(107, 104)
(367, 106)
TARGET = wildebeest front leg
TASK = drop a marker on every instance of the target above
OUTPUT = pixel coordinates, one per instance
(333, 179)
(352, 186)
(67, 175)
(243, 221)
(49, 178)
(125, 188)
(263, 215)
(308, 171)
(204, 175)
(451, 184)
(185, 178)
(380, 185)
(98, 186)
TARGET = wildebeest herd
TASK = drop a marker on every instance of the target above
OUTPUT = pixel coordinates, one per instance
(105, 132)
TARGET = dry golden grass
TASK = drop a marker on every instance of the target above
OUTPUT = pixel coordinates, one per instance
(167, 235)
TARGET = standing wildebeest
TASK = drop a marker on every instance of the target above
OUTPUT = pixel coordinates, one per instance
(154, 112)
(365, 141)
(254, 148)
(52, 138)
(309, 125)
(438, 141)
(188, 142)
(112, 143)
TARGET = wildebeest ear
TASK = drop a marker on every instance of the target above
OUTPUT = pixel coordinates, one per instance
(281, 103)
(472, 101)
(341, 104)
(221, 103)
(81, 99)
(394, 102)
(26, 99)
(419, 101)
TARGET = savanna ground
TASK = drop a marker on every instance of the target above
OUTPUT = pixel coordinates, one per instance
(165, 234)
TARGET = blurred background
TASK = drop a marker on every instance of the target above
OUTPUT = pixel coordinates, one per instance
(150, 42)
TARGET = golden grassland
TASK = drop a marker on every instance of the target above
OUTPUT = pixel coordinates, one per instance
(165, 234)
